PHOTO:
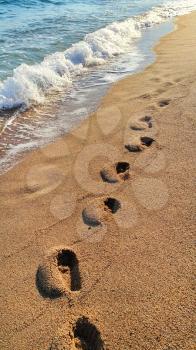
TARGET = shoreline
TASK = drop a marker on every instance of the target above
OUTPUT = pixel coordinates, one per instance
(61, 115)
(136, 263)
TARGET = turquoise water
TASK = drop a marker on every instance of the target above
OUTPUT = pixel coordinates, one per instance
(46, 44)
(32, 29)
(58, 58)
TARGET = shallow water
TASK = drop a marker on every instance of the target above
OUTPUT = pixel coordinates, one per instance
(32, 29)
(56, 63)
(46, 44)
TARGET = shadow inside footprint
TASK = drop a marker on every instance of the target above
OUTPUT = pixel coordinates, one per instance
(91, 217)
(87, 336)
(108, 175)
(67, 260)
(133, 148)
(142, 123)
(122, 167)
(58, 274)
(164, 103)
(147, 141)
(112, 204)
(140, 144)
(137, 128)
(147, 119)
(118, 171)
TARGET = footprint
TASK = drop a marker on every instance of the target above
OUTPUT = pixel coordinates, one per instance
(115, 173)
(95, 213)
(112, 205)
(147, 120)
(42, 179)
(138, 144)
(133, 148)
(58, 274)
(122, 167)
(108, 174)
(142, 123)
(84, 335)
(87, 336)
(164, 103)
(92, 215)
(145, 96)
(146, 141)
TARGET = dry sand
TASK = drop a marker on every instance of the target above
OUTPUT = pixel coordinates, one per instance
(105, 261)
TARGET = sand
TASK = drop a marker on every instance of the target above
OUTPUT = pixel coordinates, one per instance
(97, 238)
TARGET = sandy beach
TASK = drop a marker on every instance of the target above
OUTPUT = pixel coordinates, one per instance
(97, 228)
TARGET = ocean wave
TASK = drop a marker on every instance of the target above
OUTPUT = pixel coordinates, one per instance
(30, 83)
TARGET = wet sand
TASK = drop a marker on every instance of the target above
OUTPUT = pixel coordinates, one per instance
(97, 228)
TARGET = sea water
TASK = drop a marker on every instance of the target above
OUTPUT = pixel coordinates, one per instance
(58, 58)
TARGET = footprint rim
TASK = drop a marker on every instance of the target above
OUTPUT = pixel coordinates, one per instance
(90, 220)
(49, 275)
(147, 119)
(118, 171)
(107, 178)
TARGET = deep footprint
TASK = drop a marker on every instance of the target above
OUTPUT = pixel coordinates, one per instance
(109, 175)
(147, 119)
(87, 336)
(147, 141)
(96, 212)
(112, 204)
(58, 274)
(139, 144)
(92, 216)
(142, 123)
(122, 167)
(115, 173)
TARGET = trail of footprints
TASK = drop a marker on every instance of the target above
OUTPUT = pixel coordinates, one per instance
(138, 141)
(59, 273)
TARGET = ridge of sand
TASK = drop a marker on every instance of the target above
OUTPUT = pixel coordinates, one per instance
(107, 261)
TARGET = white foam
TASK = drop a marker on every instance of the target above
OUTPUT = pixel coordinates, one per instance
(30, 84)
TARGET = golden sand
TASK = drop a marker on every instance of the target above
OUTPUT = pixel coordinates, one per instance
(97, 229)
